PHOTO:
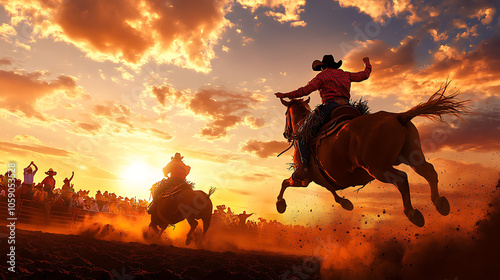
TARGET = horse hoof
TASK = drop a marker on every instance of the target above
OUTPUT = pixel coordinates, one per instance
(416, 218)
(188, 241)
(281, 206)
(442, 205)
(347, 204)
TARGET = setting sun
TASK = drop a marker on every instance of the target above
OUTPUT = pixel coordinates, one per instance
(138, 177)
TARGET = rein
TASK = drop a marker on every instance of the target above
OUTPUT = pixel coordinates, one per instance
(291, 145)
(288, 134)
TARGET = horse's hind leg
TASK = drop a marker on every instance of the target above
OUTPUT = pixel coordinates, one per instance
(193, 223)
(412, 155)
(427, 171)
(400, 180)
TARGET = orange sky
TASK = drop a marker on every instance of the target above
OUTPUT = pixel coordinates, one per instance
(113, 95)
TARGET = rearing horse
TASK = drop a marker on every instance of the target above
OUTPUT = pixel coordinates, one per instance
(368, 147)
(186, 204)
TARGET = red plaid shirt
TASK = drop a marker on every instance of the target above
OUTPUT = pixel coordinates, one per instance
(332, 83)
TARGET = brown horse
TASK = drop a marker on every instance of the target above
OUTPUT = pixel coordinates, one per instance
(186, 204)
(368, 147)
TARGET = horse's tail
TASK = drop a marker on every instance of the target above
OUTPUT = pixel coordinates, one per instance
(437, 105)
(211, 191)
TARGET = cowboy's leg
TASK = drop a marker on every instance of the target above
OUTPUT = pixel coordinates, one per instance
(305, 153)
(326, 110)
(304, 148)
(156, 193)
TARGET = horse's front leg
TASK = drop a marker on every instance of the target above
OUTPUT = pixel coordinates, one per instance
(281, 203)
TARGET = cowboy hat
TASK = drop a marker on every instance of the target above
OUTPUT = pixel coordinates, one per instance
(177, 156)
(51, 171)
(328, 61)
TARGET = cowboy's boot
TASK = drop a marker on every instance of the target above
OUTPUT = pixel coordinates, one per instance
(302, 175)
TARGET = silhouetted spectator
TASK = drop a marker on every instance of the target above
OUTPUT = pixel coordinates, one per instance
(243, 218)
(93, 205)
(75, 201)
(105, 207)
(67, 182)
(99, 198)
(6, 177)
(49, 183)
(29, 175)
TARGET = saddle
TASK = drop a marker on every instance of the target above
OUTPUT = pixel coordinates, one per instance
(175, 190)
(339, 117)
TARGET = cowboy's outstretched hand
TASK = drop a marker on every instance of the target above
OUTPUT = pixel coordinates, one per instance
(366, 60)
(280, 95)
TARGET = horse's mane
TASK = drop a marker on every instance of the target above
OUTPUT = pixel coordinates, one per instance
(361, 105)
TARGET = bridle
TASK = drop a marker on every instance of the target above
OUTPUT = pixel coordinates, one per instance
(289, 134)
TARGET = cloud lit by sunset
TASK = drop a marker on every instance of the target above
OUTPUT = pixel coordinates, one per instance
(113, 89)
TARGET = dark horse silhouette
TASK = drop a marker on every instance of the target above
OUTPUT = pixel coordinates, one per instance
(368, 147)
(185, 204)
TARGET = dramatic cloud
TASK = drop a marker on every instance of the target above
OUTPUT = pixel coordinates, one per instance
(415, 11)
(379, 10)
(254, 122)
(28, 139)
(264, 149)
(222, 109)
(167, 93)
(392, 66)
(225, 109)
(116, 113)
(396, 72)
(159, 133)
(183, 33)
(5, 61)
(92, 128)
(281, 10)
(21, 91)
(23, 150)
(478, 68)
(179, 32)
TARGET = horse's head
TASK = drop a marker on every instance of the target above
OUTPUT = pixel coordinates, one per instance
(297, 109)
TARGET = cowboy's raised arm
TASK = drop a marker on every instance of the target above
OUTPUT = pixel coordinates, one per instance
(36, 167)
(72, 174)
(188, 169)
(363, 75)
(313, 85)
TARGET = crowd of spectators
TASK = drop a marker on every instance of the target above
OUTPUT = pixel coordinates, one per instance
(230, 219)
(66, 196)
